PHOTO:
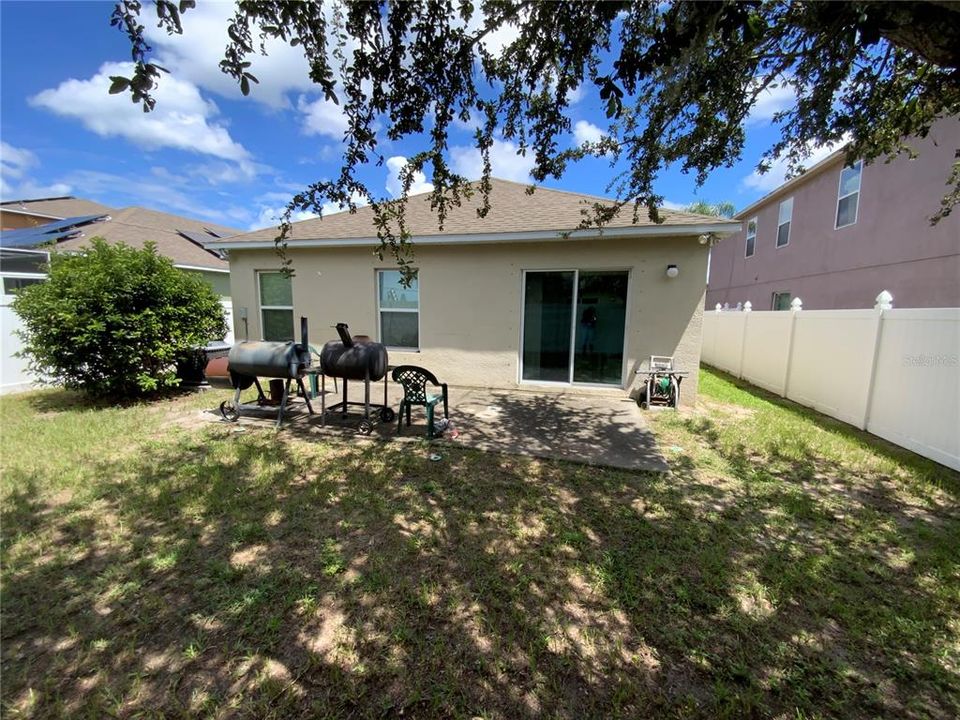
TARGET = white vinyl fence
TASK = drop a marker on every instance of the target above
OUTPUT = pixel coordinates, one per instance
(14, 375)
(892, 372)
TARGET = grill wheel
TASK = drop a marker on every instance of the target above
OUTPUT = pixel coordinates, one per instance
(229, 411)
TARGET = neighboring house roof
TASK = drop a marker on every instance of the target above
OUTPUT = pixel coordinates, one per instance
(57, 207)
(514, 215)
(176, 237)
(54, 231)
(808, 174)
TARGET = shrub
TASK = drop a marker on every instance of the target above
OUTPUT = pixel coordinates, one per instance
(112, 321)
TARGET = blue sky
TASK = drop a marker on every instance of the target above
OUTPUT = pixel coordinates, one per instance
(206, 151)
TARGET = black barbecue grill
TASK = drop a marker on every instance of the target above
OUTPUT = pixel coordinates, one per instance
(353, 358)
(285, 363)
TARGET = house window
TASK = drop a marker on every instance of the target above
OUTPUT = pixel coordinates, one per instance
(12, 285)
(781, 301)
(783, 224)
(751, 238)
(848, 195)
(276, 305)
(398, 308)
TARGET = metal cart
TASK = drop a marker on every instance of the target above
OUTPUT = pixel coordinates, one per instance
(662, 385)
(365, 426)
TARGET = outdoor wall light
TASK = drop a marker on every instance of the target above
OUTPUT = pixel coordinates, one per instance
(672, 271)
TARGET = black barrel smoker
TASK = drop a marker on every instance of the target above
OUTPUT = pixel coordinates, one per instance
(250, 360)
(353, 358)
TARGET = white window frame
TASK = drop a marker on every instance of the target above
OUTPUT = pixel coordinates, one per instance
(775, 295)
(856, 211)
(746, 244)
(21, 275)
(381, 310)
(273, 307)
(780, 224)
(570, 382)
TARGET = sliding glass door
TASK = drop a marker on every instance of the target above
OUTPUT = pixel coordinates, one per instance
(573, 326)
(547, 326)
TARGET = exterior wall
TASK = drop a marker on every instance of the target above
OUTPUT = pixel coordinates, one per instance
(220, 282)
(892, 246)
(18, 221)
(470, 300)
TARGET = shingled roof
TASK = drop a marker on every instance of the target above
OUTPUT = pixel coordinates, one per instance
(513, 210)
(58, 207)
(176, 237)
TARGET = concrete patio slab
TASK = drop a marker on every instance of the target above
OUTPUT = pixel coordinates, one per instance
(584, 428)
(606, 429)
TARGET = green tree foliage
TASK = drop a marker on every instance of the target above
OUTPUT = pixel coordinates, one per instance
(678, 80)
(112, 321)
(720, 209)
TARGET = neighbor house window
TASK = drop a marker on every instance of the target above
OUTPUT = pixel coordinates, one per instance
(751, 238)
(781, 301)
(398, 307)
(12, 285)
(276, 305)
(783, 224)
(848, 196)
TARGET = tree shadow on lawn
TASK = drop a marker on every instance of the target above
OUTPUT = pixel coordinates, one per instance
(251, 576)
(55, 399)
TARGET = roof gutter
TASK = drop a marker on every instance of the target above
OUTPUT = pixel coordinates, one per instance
(201, 267)
(31, 213)
(780, 190)
(719, 229)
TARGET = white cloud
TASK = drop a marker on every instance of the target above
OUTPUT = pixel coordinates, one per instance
(671, 205)
(584, 131)
(269, 215)
(14, 183)
(15, 161)
(322, 117)
(183, 119)
(395, 187)
(771, 101)
(168, 191)
(777, 174)
(577, 94)
(476, 120)
(506, 163)
(222, 173)
(196, 54)
(497, 40)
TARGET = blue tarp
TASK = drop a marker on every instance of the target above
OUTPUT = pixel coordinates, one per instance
(51, 232)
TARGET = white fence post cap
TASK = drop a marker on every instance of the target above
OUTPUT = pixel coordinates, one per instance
(884, 300)
(796, 304)
(747, 306)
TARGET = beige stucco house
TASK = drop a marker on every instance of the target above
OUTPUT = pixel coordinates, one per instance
(511, 300)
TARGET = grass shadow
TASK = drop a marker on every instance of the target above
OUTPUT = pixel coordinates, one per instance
(216, 573)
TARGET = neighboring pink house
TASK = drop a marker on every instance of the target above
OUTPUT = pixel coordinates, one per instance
(836, 236)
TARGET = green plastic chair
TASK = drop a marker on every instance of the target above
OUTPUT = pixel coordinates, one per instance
(414, 381)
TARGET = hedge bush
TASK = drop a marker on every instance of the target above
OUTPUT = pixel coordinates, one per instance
(112, 321)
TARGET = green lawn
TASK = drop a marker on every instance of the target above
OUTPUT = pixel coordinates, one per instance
(788, 567)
